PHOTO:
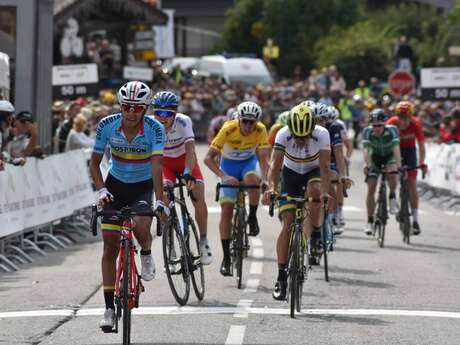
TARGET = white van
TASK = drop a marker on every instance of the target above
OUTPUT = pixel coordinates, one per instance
(248, 71)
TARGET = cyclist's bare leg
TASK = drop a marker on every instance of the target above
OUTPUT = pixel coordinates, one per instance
(392, 179)
(201, 210)
(370, 199)
(282, 244)
(142, 233)
(225, 224)
(254, 194)
(315, 209)
(109, 259)
(332, 202)
(413, 194)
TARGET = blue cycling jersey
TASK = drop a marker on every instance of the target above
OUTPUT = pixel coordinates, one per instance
(130, 161)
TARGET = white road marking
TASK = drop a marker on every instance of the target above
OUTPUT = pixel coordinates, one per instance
(242, 308)
(235, 335)
(257, 253)
(256, 267)
(252, 285)
(187, 310)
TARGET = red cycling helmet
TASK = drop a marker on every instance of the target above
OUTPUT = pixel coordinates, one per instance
(404, 108)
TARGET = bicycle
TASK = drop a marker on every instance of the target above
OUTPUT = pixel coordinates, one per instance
(403, 216)
(381, 214)
(327, 238)
(128, 284)
(239, 236)
(299, 252)
(188, 242)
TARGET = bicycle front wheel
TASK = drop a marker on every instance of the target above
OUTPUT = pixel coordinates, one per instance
(238, 250)
(324, 237)
(404, 221)
(380, 228)
(126, 294)
(176, 263)
(294, 273)
(196, 266)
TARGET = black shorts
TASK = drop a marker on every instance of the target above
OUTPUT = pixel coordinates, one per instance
(136, 195)
(377, 162)
(295, 184)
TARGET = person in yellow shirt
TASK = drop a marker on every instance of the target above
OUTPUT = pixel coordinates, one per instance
(241, 143)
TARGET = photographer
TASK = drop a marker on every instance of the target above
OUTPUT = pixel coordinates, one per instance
(25, 140)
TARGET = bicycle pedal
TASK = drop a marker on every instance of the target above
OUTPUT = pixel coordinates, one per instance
(108, 330)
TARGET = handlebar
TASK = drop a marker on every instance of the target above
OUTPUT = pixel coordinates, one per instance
(405, 169)
(240, 186)
(180, 184)
(294, 199)
(125, 212)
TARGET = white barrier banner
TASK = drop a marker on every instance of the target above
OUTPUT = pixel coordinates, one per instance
(444, 166)
(43, 191)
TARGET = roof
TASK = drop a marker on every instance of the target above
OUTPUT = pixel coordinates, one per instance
(198, 8)
(131, 10)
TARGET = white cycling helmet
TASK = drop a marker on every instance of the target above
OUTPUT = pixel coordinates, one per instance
(333, 113)
(6, 107)
(249, 110)
(135, 92)
(321, 111)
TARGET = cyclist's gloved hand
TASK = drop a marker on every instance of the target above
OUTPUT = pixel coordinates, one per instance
(264, 185)
(366, 170)
(424, 168)
(160, 207)
(268, 196)
(103, 197)
(189, 179)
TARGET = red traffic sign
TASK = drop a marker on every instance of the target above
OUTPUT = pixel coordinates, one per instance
(401, 82)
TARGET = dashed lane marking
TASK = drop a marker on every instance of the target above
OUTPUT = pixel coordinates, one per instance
(235, 335)
(242, 308)
(256, 267)
(346, 208)
(187, 310)
(252, 285)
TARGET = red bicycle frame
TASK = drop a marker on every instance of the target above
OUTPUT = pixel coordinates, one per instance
(135, 285)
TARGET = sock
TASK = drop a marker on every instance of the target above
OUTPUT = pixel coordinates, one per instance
(282, 272)
(392, 195)
(226, 249)
(108, 297)
(370, 219)
(253, 210)
(146, 252)
(203, 239)
(415, 214)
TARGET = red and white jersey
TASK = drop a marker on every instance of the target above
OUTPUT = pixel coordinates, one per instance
(180, 132)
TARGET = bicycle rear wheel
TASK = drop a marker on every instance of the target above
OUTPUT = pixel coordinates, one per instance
(196, 266)
(176, 263)
(238, 240)
(126, 294)
(325, 250)
(294, 273)
(404, 221)
(302, 273)
(380, 228)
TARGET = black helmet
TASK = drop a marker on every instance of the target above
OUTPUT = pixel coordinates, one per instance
(378, 116)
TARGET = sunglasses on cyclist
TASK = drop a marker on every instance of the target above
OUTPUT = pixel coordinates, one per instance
(164, 113)
(378, 125)
(132, 108)
(248, 122)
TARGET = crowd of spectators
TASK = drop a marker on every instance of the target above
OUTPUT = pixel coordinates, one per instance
(205, 98)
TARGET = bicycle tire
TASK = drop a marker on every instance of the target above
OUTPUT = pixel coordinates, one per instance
(126, 294)
(302, 274)
(173, 243)
(238, 248)
(380, 234)
(325, 256)
(195, 265)
(404, 214)
(293, 274)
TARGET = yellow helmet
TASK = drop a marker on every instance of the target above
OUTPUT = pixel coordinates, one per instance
(301, 121)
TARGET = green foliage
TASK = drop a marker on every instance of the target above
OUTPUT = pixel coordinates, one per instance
(360, 51)
(358, 39)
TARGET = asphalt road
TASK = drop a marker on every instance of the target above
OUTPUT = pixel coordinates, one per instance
(396, 295)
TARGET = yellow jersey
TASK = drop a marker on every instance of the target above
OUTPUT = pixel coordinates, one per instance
(232, 144)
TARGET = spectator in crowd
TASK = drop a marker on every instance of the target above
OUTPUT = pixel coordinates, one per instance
(404, 54)
(375, 88)
(336, 79)
(362, 90)
(359, 114)
(63, 131)
(6, 115)
(58, 113)
(25, 137)
(77, 138)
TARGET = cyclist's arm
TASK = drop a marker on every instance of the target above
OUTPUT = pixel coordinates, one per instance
(211, 163)
(275, 169)
(397, 154)
(367, 160)
(348, 146)
(422, 151)
(190, 156)
(339, 159)
(157, 174)
(95, 171)
(324, 163)
(263, 155)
